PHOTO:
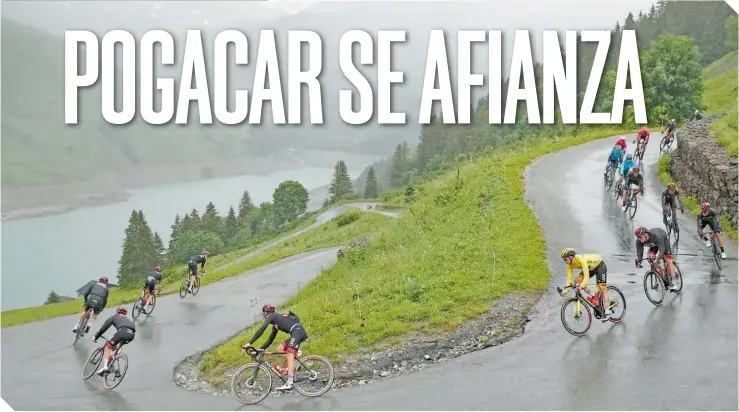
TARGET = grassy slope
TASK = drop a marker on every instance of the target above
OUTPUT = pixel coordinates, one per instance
(323, 236)
(720, 96)
(431, 270)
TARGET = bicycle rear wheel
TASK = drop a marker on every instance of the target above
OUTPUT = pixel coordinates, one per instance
(663, 144)
(716, 251)
(117, 371)
(196, 286)
(678, 279)
(315, 376)
(152, 304)
(183, 289)
(93, 360)
(608, 179)
(136, 310)
(251, 383)
(675, 229)
(632, 205)
(618, 302)
(81, 329)
(569, 306)
(653, 283)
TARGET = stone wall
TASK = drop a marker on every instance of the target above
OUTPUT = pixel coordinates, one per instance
(704, 169)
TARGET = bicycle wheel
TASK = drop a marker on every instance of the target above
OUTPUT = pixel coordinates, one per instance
(675, 230)
(678, 279)
(632, 205)
(663, 144)
(117, 371)
(716, 251)
(93, 360)
(314, 380)
(608, 179)
(251, 378)
(570, 305)
(652, 282)
(618, 302)
(136, 310)
(183, 289)
(152, 304)
(617, 191)
(81, 329)
(196, 286)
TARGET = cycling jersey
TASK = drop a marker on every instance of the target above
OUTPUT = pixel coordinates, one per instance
(125, 329)
(631, 179)
(658, 241)
(193, 263)
(626, 167)
(711, 219)
(285, 323)
(587, 262)
(642, 135)
(153, 276)
(669, 198)
(622, 144)
(97, 289)
(616, 153)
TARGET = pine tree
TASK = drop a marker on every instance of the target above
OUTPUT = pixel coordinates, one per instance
(341, 184)
(191, 222)
(245, 205)
(176, 229)
(231, 225)
(158, 245)
(211, 222)
(52, 298)
(400, 165)
(371, 191)
(139, 253)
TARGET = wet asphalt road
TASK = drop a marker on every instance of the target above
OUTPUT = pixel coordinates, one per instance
(679, 356)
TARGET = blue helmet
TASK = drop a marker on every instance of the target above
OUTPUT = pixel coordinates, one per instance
(628, 156)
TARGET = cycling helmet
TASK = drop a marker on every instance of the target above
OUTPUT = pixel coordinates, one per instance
(696, 112)
(629, 156)
(640, 231)
(621, 139)
(103, 280)
(671, 186)
(268, 308)
(705, 206)
(567, 252)
(157, 269)
(206, 253)
(121, 311)
(635, 168)
(672, 121)
(643, 129)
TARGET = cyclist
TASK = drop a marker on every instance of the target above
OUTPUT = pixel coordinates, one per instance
(622, 142)
(125, 332)
(614, 158)
(642, 134)
(708, 217)
(698, 115)
(626, 166)
(658, 242)
(591, 265)
(669, 203)
(632, 178)
(153, 278)
(289, 323)
(95, 297)
(192, 264)
(670, 129)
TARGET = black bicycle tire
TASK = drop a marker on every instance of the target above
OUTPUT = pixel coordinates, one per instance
(81, 329)
(676, 229)
(153, 300)
(87, 361)
(680, 275)
(635, 200)
(239, 371)
(196, 286)
(716, 251)
(330, 382)
(623, 299)
(661, 284)
(183, 288)
(123, 375)
(134, 313)
(564, 322)
(663, 146)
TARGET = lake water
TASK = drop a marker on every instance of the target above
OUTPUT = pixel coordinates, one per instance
(63, 252)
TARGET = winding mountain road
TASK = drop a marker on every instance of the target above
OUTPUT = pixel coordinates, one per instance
(679, 356)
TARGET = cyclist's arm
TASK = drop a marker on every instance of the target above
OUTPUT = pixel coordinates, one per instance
(569, 275)
(104, 328)
(260, 331)
(202, 265)
(270, 339)
(639, 250)
(105, 298)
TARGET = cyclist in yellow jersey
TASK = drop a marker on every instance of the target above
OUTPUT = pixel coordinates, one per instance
(592, 265)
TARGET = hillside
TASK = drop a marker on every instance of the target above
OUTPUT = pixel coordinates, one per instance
(720, 96)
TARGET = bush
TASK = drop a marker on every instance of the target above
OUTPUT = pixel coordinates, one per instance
(348, 217)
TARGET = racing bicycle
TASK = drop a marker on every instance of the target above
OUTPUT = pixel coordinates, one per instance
(631, 202)
(252, 382)
(659, 281)
(82, 329)
(139, 307)
(673, 230)
(639, 152)
(608, 176)
(186, 285)
(666, 142)
(117, 367)
(582, 304)
(714, 245)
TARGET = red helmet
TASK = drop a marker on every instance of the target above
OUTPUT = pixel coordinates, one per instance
(643, 130)
(268, 308)
(635, 168)
(158, 269)
(671, 186)
(103, 280)
(621, 140)
(121, 311)
(640, 231)
(705, 206)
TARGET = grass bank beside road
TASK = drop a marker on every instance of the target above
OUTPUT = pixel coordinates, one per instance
(431, 270)
(720, 96)
(326, 235)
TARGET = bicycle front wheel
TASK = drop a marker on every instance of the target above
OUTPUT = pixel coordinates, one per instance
(81, 329)
(677, 279)
(632, 206)
(117, 371)
(716, 252)
(314, 376)
(136, 310)
(581, 313)
(196, 286)
(251, 383)
(92, 363)
(618, 303)
(152, 304)
(183, 289)
(654, 288)
(663, 145)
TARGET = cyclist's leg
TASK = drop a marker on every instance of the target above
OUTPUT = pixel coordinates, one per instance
(601, 273)
(652, 252)
(193, 267)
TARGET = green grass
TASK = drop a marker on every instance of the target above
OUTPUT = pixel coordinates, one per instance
(430, 271)
(323, 236)
(691, 202)
(720, 96)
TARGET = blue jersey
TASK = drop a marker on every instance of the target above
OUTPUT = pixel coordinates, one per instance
(616, 153)
(626, 166)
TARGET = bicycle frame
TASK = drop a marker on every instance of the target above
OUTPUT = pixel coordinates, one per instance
(582, 299)
(258, 355)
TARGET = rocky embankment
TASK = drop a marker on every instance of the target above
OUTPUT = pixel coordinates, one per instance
(505, 321)
(704, 169)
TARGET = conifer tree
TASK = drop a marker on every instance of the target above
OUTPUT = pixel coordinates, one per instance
(371, 190)
(211, 222)
(341, 184)
(245, 206)
(231, 225)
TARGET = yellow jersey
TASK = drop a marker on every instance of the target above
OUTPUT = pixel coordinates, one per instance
(587, 262)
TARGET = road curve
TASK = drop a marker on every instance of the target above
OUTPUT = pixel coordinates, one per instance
(682, 355)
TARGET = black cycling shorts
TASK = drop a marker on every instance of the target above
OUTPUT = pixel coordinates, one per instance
(713, 222)
(668, 251)
(193, 266)
(669, 201)
(123, 335)
(600, 272)
(297, 336)
(97, 303)
(149, 284)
